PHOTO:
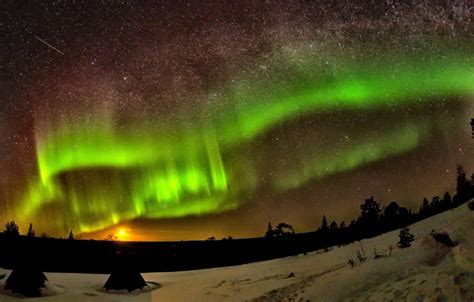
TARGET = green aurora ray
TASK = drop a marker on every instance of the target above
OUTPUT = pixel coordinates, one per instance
(105, 174)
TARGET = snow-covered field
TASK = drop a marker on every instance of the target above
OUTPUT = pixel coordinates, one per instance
(427, 271)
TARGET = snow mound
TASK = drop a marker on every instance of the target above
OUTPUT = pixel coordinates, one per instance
(50, 289)
(148, 288)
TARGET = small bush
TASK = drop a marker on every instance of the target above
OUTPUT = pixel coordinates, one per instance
(405, 238)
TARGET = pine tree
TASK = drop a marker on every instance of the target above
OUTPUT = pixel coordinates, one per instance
(324, 224)
(405, 238)
(447, 200)
(436, 204)
(31, 231)
(463, 186)
(425, 207)
(369, 219)
(370, 211)
(71, 235)
(333, 225)
(270, 231)
(391, 215)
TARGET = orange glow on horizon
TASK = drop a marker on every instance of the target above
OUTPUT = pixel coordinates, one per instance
(123, 234)
(151, 234)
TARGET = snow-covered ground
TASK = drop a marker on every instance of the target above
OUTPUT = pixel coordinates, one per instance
(427, 271)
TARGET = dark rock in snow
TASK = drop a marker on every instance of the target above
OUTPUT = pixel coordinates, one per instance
(443, 238)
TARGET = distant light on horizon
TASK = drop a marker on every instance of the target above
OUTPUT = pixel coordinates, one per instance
(123, 234)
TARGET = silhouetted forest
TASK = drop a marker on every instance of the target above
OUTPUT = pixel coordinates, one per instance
(375, 220)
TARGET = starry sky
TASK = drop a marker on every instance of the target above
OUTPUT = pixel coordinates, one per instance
(177, 120)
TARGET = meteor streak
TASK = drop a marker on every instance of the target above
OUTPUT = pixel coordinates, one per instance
(47, 44)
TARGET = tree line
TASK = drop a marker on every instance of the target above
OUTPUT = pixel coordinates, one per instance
(12, 230)
(374, 220)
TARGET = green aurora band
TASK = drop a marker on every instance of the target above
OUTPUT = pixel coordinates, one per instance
(107, 174)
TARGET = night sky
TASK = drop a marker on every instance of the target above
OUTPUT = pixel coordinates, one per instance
(182, 119)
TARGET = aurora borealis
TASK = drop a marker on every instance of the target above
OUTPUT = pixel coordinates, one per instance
(175, 122)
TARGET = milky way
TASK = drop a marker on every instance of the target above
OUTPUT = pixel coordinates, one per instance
(246, 116)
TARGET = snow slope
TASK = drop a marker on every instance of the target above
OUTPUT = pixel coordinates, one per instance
(427, 271)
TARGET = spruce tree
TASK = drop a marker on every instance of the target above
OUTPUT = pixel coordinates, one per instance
(425, 207)
(463, 186)
(270, 231)
(324, 224)
(405, 238)
(447, 200)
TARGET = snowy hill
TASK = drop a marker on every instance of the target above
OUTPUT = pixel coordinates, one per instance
(427, 271)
